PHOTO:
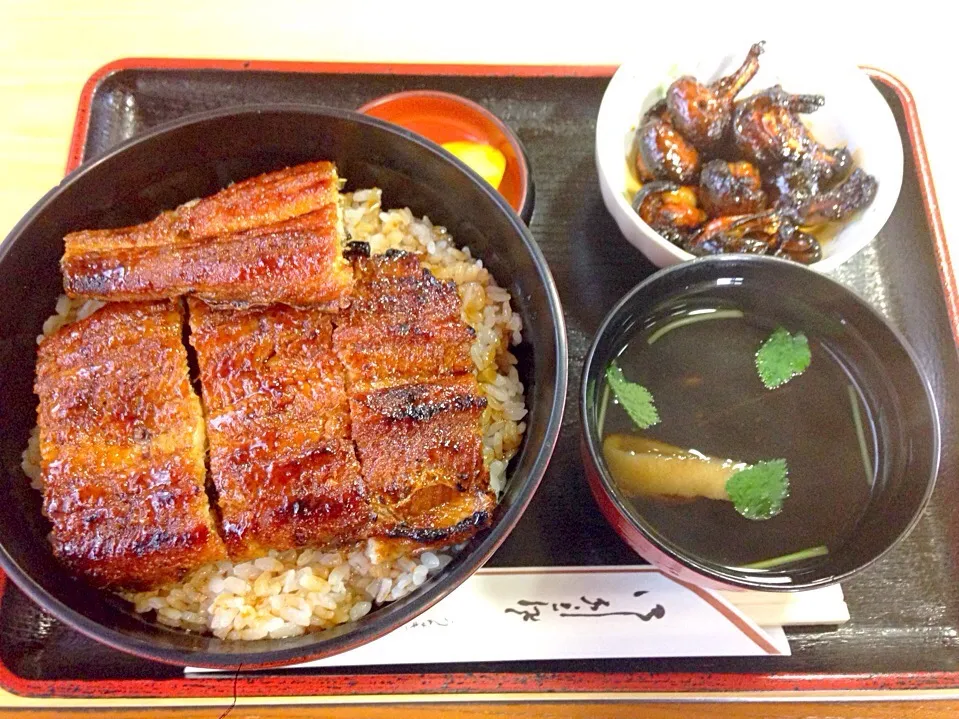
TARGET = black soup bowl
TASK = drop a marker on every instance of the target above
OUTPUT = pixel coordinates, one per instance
(196, 157)
(901, 426)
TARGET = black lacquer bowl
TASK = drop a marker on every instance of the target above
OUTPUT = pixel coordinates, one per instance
(197, 157)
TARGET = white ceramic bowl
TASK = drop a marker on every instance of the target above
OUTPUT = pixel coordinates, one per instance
(855, 115)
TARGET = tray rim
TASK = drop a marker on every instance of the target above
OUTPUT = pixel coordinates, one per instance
(505, 686)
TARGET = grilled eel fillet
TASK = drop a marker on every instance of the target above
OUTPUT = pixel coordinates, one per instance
(422, 457)
(272, 238)
(122, 448)
(296, 459)
(278, 421)
(415, 403)
(403, 325)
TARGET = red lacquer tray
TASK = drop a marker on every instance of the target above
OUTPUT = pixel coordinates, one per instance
(904, 632)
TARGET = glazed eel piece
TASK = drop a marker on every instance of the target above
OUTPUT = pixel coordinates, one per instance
(415, 404)
(122, 448)
(272, 238)
(278, 422)
(316, 435)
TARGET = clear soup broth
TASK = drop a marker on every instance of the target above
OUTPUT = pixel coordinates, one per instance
(697, 357)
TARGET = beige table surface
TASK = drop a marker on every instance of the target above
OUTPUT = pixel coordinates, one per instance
(48, 49)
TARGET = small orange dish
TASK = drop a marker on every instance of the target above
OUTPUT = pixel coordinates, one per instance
(445, 118)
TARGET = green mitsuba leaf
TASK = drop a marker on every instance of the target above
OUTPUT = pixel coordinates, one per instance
(782, 357)
(758, 491)
(633, 397)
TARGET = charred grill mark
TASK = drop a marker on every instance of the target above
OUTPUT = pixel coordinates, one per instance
(99, 281)
(431, 535)
(355, 250)
(413, 402)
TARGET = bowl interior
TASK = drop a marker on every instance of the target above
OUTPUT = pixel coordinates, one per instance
(443, 117)
(197, 157)
(904, 425)
(855, 115)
